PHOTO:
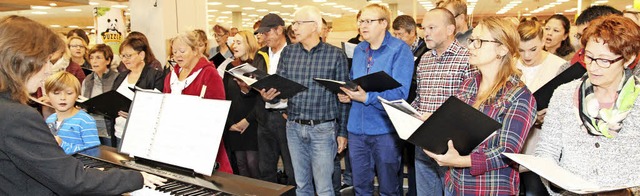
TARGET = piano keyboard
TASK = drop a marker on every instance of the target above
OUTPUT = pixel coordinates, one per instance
(192, 187)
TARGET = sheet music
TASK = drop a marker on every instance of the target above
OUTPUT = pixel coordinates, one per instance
(404, 123)
(548, 169)
(349, 48)
(244, 73)
(187, 130)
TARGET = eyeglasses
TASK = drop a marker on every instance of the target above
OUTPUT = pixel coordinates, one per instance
(604, 63)
(294, 23)
(76, 46)
(577, 36)
(477, 43)
(128, 56)
(220, 35)
(368, 21)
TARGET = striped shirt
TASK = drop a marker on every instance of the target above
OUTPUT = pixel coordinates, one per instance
(316, 103)
(491, 173)
(439, 77)
(77, 132)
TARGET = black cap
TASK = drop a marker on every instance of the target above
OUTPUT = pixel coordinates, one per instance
(268, 22)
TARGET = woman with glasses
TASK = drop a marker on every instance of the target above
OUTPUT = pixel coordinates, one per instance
(76, 55)
(149, 59)
(195, 75)
(218, 54)
(496, 90)
(138, 74)
(556, 40)
(592, 128)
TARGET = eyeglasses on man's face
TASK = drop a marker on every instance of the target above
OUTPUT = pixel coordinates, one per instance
(368, 21)
(604, 63)
(300, 22)
(477, 43)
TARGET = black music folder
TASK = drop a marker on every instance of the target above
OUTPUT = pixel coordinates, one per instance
(107, 104)
(544, 93)
(87, 71)
(454, 120)
(261, 80)
(334, 85)
(375, 82)
(217, 59)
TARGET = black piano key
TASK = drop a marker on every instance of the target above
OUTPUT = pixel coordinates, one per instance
(174, 188)
(203, 190)
(169, 187)
(190, 189)
(185, 187)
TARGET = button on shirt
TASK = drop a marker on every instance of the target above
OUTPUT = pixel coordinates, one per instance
(440, 77)
(316, 103)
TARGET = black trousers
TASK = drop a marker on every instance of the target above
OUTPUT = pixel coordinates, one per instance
(272, 144)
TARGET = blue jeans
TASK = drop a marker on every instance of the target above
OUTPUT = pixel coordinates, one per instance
(312, 149)
(371, 154)
(429, 175)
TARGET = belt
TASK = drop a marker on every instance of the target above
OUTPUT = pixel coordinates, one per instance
(312, 122)
(276, 110)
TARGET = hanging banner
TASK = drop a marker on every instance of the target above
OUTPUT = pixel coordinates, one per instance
(110, 27)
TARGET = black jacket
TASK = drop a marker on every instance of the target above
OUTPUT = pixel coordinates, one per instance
(150, 78)
(32, 163)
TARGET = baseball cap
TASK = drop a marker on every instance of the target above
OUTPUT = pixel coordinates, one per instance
(270, 21)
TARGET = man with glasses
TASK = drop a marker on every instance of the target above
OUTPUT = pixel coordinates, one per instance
(270, 116)
(314, 115)
(459, 10)
(374, 147)
(589, 14)
(439, 75)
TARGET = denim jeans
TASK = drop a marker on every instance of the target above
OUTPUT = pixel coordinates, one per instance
(429, 175)
(371, 154)
(313, 149)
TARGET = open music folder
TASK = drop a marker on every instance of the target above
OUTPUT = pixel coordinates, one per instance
(258, 79)
(180, 130)
(374, 82)
(106, 104)
(548, 169)
(454, 120)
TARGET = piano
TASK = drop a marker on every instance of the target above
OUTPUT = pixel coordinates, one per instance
(219, 183)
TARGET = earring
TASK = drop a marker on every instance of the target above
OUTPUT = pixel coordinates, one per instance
(498, 57)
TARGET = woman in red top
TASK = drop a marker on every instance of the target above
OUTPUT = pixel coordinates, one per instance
(190, 76)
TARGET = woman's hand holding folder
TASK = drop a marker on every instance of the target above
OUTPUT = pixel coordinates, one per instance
(358, 95)
(451, 158)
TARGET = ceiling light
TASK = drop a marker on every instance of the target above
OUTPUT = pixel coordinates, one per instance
(73, 10)
(232, 6)
(528, 14)
(39, 12)
(601, 1)
(339, 6)
(629, 6)
(223, 17)
(119, 6)
(37, 7)
(214, 3)
(375, 1)
(226, 12)
(54, 26)
(53, 4)
(258, 0)
(285, 14)
(89, 27)
(72, 26)
(288, 6)
(127, 13)
(210, 16)
(319, 1)
(274, 3)
(253, 15)
(212, 10)
(275, 12)
(246, 19)
(248, 8)
(262, 10)
(93, 3)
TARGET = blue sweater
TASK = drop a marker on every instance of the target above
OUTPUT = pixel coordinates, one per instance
(77, 132)
(396, 59)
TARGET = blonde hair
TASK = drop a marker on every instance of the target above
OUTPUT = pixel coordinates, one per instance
(383, 12)
(250, 43)
(530, 29)
(504, 32)
(60, 81)
(26, 47)
(84, 44)
(202, 39)
(459, 7)
(190, 38)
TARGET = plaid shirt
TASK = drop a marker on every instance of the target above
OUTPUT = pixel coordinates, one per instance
(439, 78)
(491, 173)
(316, 103)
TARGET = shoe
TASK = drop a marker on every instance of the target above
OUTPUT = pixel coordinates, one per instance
(345, 186)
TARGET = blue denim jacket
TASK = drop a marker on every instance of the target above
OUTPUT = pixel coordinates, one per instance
(396, 59)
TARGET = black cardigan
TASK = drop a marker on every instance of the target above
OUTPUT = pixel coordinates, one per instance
(32, 163)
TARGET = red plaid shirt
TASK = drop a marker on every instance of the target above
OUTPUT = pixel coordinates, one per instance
(439, 78)
(491, 173)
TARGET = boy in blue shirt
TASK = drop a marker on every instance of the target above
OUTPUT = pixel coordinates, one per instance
(74, 129)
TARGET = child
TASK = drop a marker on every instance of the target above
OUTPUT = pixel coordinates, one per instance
(74, 129)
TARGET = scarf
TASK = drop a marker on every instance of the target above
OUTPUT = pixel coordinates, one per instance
(601, 121)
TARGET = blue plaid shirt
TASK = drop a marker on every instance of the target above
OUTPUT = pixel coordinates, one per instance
(316, 103)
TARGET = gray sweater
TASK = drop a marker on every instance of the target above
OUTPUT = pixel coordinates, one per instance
(604, 161)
